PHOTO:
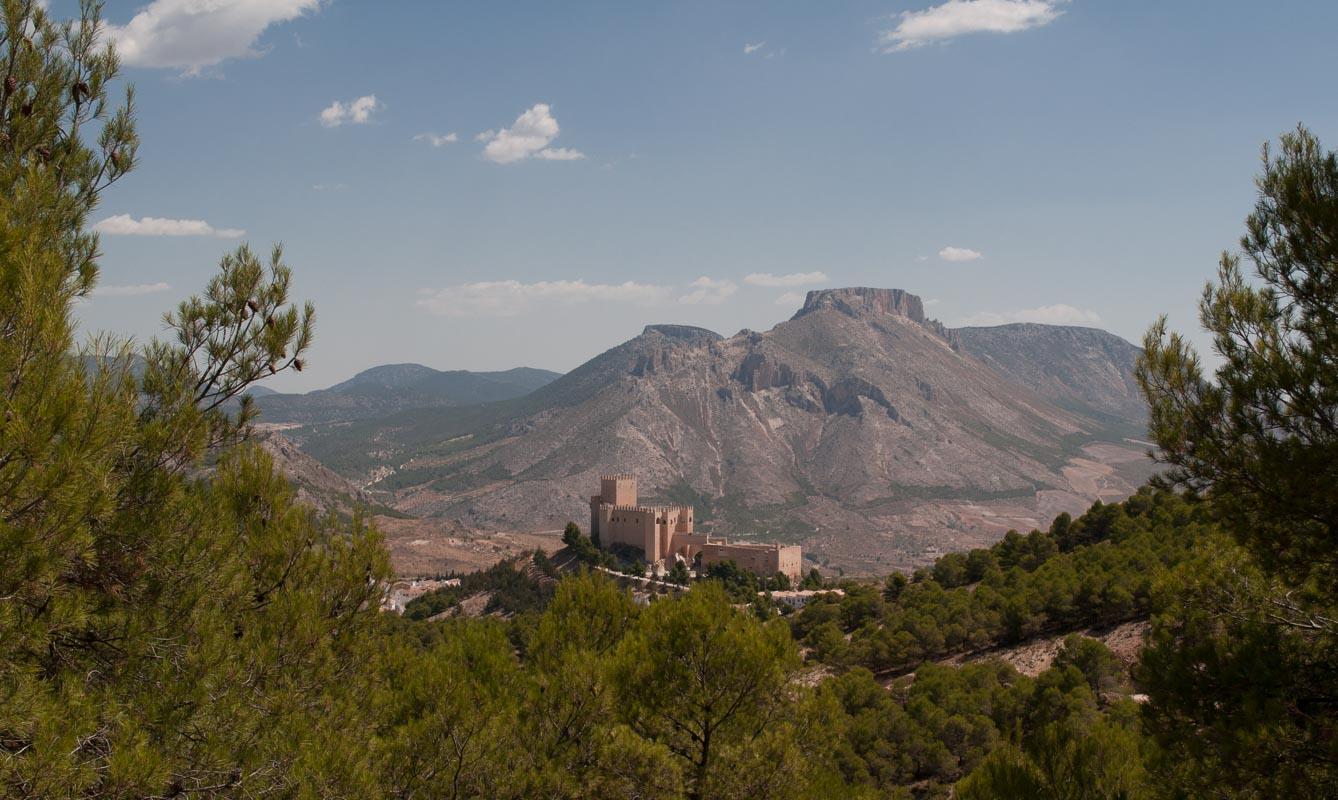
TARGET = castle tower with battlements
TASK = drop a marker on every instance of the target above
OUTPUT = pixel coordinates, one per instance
(665, 534)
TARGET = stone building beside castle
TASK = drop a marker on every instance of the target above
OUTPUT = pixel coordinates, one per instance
(665, 534)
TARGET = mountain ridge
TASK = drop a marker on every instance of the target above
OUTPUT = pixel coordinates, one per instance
(388, 388)
(859, 427)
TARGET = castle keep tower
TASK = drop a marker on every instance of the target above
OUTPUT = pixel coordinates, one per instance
(665, 533)
(617, 490)
(617, 518)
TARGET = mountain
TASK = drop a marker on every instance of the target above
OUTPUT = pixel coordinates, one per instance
(314, 483)
(390, 388)
(1083, 369)
(875, 436)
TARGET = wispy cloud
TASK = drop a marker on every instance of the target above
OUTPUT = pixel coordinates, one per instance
(709, 291)
(559, 154)
(790, 299)
(193, 35)
(947, 21)
(354, 112)
(131, 290)
(749, 49)
(437, 140)
(329, 187)
(1057, 314)
(511, 298)
(126, 225)
(959, 254)
(527, 138)
(792, 279)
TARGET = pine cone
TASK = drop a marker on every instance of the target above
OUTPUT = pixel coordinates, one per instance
(11, 84)
(297, 364)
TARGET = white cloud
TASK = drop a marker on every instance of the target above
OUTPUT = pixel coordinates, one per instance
(560, 154)
(192, 35)
(529, 137)
(790, 299)
(933, 301)
(1057, 314)
(793, 279)
(329, 187)
(959, 254)
(436, 140)
(510, 298)
(955, 18)
(126, 225)
(749, 49)
(355, 112)
(130, 291)
(709, 291)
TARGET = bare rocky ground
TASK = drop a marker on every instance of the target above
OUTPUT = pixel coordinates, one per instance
(435, 546)
(914, 535)
(1034, 657)
(900, 538)
(419, 546)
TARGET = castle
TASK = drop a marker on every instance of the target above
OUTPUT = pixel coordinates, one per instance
(665, 534)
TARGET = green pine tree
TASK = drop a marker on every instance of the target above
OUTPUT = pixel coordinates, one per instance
(713, 686)
(1239, 666)
(160, 634)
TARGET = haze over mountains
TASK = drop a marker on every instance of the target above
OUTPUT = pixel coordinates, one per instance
(395, 387)
(864, 430)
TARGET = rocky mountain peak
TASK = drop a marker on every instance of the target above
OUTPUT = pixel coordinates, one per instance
(686, 333)
(860, 301)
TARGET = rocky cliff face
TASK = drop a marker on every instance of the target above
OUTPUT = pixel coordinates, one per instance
(862, 300)
(861, 428)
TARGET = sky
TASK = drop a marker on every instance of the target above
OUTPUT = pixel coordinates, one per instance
(482, 186)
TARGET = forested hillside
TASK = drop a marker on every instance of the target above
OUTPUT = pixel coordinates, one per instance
(1099, 569)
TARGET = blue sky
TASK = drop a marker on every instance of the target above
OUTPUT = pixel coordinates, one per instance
(618, 164)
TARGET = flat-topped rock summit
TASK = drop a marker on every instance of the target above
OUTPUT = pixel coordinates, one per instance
(686, 333)
(861, 300)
